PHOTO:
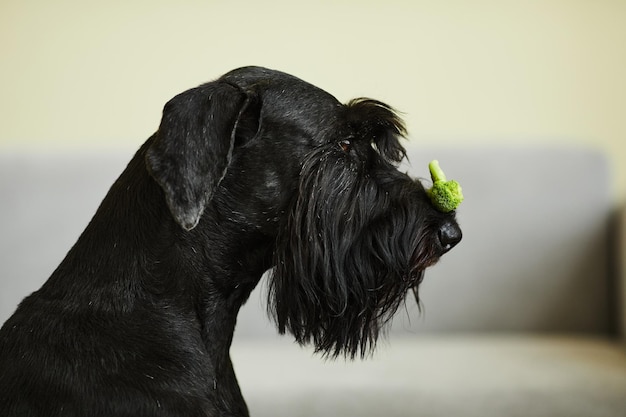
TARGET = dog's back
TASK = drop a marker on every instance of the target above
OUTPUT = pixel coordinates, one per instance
(95, 341)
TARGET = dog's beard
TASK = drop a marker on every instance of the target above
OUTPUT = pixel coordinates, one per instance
(346, 257)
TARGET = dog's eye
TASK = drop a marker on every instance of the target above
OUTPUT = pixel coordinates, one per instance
(345, 145)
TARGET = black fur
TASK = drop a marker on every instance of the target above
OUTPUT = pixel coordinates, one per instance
(257, 170)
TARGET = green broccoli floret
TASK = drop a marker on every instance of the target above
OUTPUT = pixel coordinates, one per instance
(445, 195)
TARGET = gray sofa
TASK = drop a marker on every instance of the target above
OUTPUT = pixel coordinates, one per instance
(521, 319)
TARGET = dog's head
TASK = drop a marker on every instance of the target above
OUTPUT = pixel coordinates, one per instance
(353, 234)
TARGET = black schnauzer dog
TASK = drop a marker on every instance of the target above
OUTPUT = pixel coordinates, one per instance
(255, 171)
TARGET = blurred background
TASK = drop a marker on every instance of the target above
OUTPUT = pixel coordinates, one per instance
(90, 74)
(532, 90)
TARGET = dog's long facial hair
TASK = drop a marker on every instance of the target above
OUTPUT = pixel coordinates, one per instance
(356, 239)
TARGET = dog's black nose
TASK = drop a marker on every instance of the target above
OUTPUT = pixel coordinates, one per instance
(449, 235)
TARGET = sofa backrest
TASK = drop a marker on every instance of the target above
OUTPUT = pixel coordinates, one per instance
(533, 255)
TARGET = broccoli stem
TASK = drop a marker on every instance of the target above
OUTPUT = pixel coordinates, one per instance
(436, 173)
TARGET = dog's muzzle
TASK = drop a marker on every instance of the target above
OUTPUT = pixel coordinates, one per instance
(449, 236)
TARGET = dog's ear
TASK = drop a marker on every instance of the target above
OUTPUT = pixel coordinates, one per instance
(192, 149)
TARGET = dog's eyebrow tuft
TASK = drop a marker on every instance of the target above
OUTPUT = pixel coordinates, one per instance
(379, 123)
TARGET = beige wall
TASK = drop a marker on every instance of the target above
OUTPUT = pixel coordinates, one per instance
(92, 74)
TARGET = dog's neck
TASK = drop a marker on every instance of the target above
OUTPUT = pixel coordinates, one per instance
(133, 243)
